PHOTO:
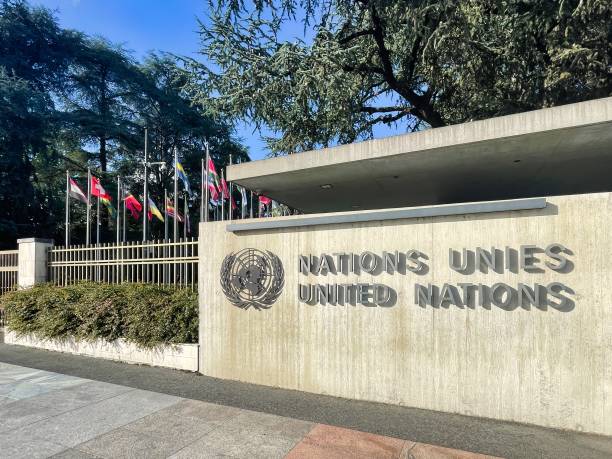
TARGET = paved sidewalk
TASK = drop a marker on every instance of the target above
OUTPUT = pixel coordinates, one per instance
(485, 436)
(45, 414)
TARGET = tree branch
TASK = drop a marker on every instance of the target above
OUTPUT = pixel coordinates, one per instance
(422, 107)
(373, 110)
(388, 119)
(363, 68)
(354, 35)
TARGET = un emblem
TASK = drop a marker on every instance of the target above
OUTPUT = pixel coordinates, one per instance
(252, 278)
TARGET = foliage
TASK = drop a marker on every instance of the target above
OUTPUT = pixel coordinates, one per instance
(70, 101)
(424, 63)
(147, 315)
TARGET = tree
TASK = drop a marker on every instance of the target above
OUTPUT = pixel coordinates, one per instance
(98, 87)
(33, 46)
(421, 63)
(33, 57)
(173, 121)
(69, 101)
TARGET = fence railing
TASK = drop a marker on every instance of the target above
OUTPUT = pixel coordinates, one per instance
(8, 270)
(156, 262)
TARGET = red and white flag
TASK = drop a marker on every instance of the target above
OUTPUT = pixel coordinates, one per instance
(75, 192)
(97, 189)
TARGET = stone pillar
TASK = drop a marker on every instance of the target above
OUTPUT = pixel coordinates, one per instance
(32, 263)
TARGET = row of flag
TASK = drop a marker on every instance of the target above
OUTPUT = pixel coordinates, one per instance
(131, 203)
(218, 190)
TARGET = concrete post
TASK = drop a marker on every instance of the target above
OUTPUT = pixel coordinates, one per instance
(32, 264)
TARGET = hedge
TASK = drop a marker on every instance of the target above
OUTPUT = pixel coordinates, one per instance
(144, 314)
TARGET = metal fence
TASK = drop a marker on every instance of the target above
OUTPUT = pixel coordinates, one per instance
(8, 270)
(156, 262)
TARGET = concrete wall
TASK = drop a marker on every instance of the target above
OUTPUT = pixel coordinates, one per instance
(177, 356)
(547, 364)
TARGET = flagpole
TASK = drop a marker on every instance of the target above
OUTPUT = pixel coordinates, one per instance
(222, 194)
(98, 220)
(175, 196)
(202, 193)
(67, 208)
(124, 221)
(243, 203)
(166, 214)
(229, 185)
(146, 185)
(184, 217)
(118, 208)
(205, 205)
(88, 224)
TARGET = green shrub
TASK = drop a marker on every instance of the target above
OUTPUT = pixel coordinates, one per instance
(148, 315)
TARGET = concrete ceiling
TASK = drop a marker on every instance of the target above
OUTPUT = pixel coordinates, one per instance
(561, 150)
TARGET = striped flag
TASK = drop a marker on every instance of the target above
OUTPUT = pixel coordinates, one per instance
(106, 200)
(170, 211)
(180, 173)
(153, 210)
(74, 191)
(213, 182)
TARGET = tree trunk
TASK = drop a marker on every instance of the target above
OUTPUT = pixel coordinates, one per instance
(103, 159)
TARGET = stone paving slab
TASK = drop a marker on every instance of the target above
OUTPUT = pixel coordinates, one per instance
(16, 447)
(83, 424)
(336, 442)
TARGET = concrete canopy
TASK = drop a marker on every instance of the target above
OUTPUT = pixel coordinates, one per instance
(554, 151)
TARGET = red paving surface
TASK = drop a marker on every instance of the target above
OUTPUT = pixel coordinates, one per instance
(328, 442)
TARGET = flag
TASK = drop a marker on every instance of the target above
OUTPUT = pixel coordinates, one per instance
(243, 197)
(76, 192)
(263, 202)
(187, 220)
(180, 173)
(226, 193)
(170, 211)
(153, 210)
(132, 204)
(106, 200)
(224, 188)
(213, 182)
(97, 189)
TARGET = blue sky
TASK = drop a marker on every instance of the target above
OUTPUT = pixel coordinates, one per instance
(151, 25)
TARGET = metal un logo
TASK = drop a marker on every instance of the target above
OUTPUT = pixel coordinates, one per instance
(252, 277)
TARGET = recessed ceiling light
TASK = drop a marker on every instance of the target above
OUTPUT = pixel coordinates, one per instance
(327, 186)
